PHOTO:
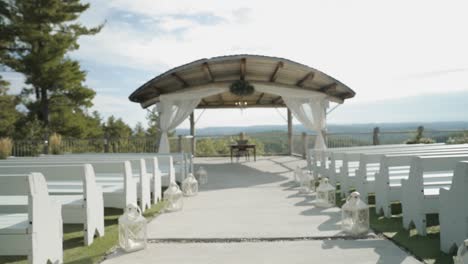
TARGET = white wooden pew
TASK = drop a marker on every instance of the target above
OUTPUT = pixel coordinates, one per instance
(319, 161)
(182, 161)
(334, 167)
(369, 164)
(453, 212)
(120, 182)
(420, 192)
(351, 161)
(75, 188)
(387, 182)
(32, 228)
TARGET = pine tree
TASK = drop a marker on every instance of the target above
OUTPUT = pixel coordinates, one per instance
(8, 113)
(35, 38)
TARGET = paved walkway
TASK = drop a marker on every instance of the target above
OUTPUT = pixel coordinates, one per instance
(251, 213)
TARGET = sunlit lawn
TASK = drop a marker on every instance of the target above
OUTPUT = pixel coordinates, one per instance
(74, 250)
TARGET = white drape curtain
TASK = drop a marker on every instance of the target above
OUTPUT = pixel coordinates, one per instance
(174, 108)
(307, 106)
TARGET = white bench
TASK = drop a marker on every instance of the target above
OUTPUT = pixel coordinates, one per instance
(183, 163)
(121, 183)
(319, 161)
(333, 168)
(387, 182)
(453, 212)
(420, 192)
(75, 188)
(351, 161)
(34, 227)
(369, 164)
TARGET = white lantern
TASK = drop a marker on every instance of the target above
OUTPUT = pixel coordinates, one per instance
(132, 229)
(312, 180)
(298, 174)
(173, 198)
(462, 254)
(355, 215)
(202, 176)
(304, 181)
(190, 185)
(325, 194)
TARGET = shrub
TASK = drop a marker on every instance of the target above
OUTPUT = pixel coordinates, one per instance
(55, 144)
(419, 139)
(463, 139)
(6, 146)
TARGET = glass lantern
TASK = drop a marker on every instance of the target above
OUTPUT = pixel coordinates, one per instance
(202, 175)
(132, 229)
(298, 175)
(462, 254)
(173, 197)
(355, 215)
(304, 182)
(190, 186)
(312, 180)
(325, 194)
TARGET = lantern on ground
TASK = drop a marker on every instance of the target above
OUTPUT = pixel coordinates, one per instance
(355, 215)
(462, 254)
(312, 180)
(190, 186)
(325, 194)
(304, 181)
(132, 229)
(173, 198)
(202, 175)
(298, 175)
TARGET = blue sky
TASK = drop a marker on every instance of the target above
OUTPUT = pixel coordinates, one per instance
(406, 60)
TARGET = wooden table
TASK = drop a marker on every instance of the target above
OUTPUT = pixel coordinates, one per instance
(245, 146)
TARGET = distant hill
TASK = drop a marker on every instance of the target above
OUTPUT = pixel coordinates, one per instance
(332, 128)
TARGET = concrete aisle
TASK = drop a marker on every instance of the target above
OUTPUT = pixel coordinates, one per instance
(250, 213)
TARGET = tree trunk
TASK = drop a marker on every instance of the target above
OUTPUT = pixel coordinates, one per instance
(45, 108)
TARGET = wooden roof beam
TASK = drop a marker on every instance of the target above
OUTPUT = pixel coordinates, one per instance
(276, 100)
(208, 73)
(308, 76)
(204, 102)
(330, 88)
(260, 98)
(243, 68)
(275, 73)
(180, 79)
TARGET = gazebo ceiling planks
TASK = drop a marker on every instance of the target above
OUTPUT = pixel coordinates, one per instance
(255, 69)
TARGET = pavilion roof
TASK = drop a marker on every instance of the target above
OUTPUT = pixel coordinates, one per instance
(255, 69)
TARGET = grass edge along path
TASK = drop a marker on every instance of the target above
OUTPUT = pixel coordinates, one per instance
(424, 248)
(74, 250)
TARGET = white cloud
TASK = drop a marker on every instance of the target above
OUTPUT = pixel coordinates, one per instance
(372, 46)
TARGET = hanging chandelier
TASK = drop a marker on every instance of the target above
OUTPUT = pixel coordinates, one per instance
(241, 103)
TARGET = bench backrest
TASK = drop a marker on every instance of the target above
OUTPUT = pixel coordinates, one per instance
(32, 185)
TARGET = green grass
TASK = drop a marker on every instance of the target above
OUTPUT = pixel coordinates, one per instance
(426, 248)
(74, 250)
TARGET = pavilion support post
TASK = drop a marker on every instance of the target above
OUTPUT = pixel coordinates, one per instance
(290, 133)
(192, 132)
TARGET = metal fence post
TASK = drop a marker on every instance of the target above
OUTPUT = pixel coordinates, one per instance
(179, 143)
(305, 142)
(375, 138)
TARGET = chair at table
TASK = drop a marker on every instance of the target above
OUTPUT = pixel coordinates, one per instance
(242, 150)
